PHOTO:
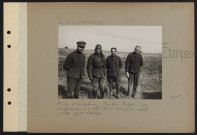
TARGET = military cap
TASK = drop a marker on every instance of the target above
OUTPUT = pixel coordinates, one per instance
(81, 43)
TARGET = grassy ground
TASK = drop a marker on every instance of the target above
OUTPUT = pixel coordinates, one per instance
(150, 80)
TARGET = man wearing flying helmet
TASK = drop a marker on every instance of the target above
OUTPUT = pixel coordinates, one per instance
(96, 68)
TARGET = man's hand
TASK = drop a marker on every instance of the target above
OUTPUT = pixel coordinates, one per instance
(90, 78)
(127, 74)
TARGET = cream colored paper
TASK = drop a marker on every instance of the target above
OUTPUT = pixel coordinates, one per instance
(10, 72)
(15, 67)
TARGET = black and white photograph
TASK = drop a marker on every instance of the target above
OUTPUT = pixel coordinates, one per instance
(110, 62)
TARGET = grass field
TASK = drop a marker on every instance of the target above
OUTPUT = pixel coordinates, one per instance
(150, 81)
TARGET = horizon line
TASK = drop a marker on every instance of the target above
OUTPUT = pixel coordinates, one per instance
(108, 50)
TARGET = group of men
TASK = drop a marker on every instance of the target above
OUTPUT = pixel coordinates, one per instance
(101, 70)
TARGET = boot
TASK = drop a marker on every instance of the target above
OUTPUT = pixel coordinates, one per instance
(110, 94)
(98, 94)
(128, 91)
(134, 92)
(95, 94)
(102, 94)
(117, 91)
(110, 91)
(76, 95)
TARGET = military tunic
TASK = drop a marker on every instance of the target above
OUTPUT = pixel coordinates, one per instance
(96, 68)
(113, 65)
(133, 62)
(74, 65)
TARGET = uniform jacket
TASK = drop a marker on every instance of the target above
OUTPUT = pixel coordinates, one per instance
(96, 66)
(74, 65)
(113, 65)
(133, 62)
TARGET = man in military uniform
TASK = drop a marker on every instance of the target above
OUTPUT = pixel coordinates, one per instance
(113, 65)
(74, 65)
(133, 65)
(96, 68)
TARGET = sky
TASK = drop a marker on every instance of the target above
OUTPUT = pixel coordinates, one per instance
(124, 38)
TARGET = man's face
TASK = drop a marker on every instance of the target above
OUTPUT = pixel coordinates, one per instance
(80, 49)
(137, 49)
(98, 50)
(113, 52)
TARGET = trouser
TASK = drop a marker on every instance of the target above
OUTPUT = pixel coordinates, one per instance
(98, 87)
(133, 81)
(73, 85)
(116, 80)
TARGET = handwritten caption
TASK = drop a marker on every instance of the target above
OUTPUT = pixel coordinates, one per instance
(66, 21)
(97, 109)
(176, 53)
(176, 7)
(174, 97)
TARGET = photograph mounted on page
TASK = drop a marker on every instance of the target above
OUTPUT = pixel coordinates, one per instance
(110, 62)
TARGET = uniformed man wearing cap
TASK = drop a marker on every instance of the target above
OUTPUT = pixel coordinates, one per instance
(96, 68)
(113, 65)
(133, 65)
(74, 65)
